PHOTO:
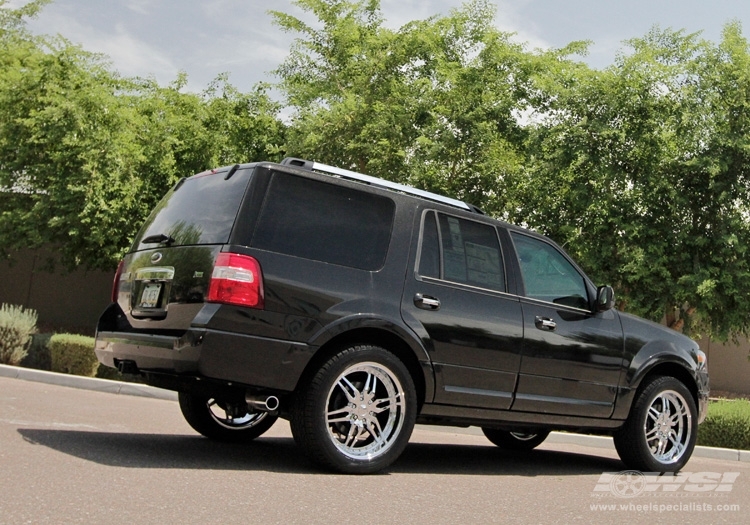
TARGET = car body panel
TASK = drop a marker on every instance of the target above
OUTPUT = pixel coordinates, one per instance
(481, 355)
(573, 369)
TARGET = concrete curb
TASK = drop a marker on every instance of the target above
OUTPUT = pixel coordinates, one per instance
(135, 389)
(727, 454)
(87, 383)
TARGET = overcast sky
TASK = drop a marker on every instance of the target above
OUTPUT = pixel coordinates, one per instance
(204, 38)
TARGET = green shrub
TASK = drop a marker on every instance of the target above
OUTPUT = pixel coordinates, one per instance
(106, 372)
(727, 425)
(16, 328)
(38, 356)
(73, 354)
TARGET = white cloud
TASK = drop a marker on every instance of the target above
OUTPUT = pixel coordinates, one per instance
(141, 7)
(398, 13)
(132, 56)
(129, 55)
(510, 20)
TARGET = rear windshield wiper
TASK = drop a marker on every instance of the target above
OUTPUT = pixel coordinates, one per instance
(158, 238)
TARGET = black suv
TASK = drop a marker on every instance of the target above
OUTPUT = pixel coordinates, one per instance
(355, 307)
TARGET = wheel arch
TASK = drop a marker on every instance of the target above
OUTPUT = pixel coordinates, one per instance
(676, 370)
(381, 335)
(657, 365)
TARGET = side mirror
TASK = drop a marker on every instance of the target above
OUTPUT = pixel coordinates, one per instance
(605, 298)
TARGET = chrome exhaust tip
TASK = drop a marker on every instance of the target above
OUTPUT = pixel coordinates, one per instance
(262, 403)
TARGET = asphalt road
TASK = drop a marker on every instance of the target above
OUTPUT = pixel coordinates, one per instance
(69, 455)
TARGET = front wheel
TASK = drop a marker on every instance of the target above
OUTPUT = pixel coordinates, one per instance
(515, 440)
(659, 435)
(223, 421)
(357, 412)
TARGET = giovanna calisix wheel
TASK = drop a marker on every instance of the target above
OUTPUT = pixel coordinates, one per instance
(223, 421)
(661, 430)
(508, 440)
(358, 412)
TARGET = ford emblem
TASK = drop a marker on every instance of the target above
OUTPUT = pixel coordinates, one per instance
(156, 257)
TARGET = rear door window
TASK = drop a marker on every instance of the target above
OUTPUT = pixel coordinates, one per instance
(325, 222)
(461, 251)
(198, 210)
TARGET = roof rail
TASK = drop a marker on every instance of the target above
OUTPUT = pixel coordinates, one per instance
(374, 181)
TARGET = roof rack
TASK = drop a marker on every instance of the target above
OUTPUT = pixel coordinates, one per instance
(374, 181)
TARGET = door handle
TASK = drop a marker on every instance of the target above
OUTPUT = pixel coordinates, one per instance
(425, 302)
(545, 323)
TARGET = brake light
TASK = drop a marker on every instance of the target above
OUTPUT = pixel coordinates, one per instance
(116, 282)
(236, 279)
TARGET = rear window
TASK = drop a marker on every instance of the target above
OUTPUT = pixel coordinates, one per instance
(325, 222)
(198, 210)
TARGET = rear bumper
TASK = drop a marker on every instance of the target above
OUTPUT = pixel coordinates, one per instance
(155, 353)
(239, 359)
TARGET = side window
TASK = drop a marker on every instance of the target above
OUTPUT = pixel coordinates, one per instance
(461, 251)
(325, 222)
(547, 274)
(429, 258)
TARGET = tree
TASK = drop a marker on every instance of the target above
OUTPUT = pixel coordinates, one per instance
(433, 104)
(641, 170)
(244, 127)
(351, 104)
(86, 154)
(67, 150)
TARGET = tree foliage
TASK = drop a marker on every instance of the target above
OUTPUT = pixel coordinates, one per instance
(85, 154)
(644, 169)
(640, 169)
(433, 103)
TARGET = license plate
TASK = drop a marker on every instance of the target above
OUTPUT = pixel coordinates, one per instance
(150, 295)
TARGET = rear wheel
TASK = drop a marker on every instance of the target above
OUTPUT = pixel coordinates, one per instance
(660, 433)
(515, 440)
(357, 413)
(223, 421)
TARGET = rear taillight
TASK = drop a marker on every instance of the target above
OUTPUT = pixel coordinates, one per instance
(116, 282)
(236, 279)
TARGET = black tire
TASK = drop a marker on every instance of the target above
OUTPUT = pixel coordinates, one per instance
(344, 424)
(214, 419)
(660, 432)
(515, 440)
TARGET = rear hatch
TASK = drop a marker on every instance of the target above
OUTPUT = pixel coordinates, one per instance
(163, 282)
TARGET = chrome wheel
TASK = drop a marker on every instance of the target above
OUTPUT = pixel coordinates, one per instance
(668, 427)
(659, 434)
(365, 410)
(356, 413)
(516, 439)
(520, 436)
(224, 420)
(231, 419)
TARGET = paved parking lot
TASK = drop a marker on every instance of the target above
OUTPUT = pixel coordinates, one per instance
(73, 455)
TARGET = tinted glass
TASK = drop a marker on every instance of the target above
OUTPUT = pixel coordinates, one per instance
(548, 275)
(199, 210)
(325, 222)
(470, 252)
(429, 258)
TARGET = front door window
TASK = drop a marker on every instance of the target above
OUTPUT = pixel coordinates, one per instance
(547, 275)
